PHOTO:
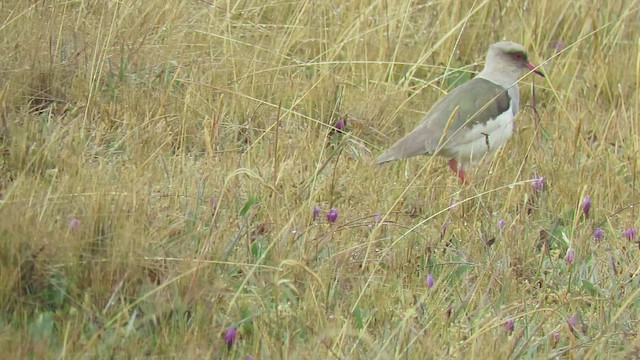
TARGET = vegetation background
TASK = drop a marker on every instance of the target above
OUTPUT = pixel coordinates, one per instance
(160, 162)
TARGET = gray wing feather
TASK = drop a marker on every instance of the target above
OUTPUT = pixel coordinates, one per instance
(456, 109)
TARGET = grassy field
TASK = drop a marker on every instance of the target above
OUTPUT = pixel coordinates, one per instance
(160, 163)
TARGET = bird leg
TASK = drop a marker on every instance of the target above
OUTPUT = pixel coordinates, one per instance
(453, 164)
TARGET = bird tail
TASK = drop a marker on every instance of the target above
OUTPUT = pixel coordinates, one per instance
(385, 157)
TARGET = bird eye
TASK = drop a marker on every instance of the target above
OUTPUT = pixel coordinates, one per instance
(518, 56)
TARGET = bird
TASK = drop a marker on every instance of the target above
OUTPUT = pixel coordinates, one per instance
(474, 118)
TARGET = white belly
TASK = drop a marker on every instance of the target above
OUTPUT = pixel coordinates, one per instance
(474, 143)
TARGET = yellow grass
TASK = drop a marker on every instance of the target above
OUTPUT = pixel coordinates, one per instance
(160, 160)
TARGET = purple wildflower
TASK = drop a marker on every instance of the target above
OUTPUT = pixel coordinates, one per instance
(509, 325)
(73, 224)
(249, 357)
(630, 233)
(340, 124)
(558, 45)
(230, 336)
(377, 217)
(586, 206)
(501, 223)
(538, 183)
(572, 321)
(569, 256)
(332, 215)
(443, 229)
(598, 233)
(316, 212)
(430, 281)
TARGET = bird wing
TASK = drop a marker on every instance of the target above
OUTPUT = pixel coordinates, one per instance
(474, 102)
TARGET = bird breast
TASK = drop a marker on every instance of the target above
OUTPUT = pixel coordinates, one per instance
(481, 138)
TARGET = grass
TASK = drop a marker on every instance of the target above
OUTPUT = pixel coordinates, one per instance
(160, 162)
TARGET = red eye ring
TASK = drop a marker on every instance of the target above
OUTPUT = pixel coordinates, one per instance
(518, 56)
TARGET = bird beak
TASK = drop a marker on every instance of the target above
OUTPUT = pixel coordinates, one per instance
(535, 70)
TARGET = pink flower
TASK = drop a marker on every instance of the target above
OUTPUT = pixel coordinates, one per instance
(73, 224)
(555, 337)
(569, 256)
(586, 206)
(509, 325)
(430, 281)
(630, 233)
(443, 229)
(538, 183)
(558, 45)
(230, 336)
(598, 233)
(572, 321)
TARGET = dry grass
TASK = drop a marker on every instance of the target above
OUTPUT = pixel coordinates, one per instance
(160, 160)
